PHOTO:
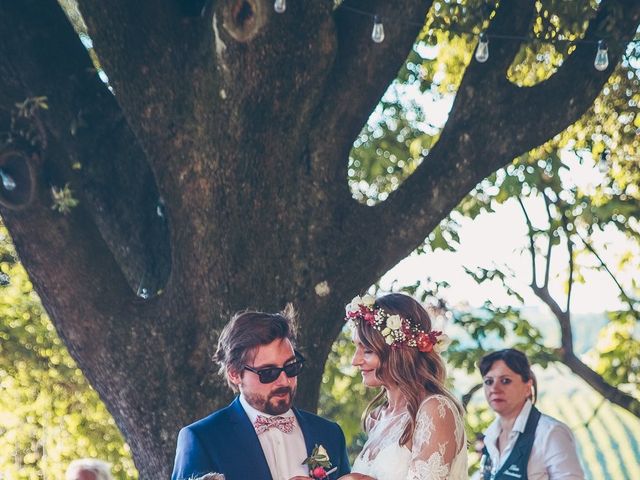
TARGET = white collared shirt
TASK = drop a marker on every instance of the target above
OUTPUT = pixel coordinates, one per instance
(284, 452)
(553, 456)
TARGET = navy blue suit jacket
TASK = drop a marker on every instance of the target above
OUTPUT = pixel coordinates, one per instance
(226, 442)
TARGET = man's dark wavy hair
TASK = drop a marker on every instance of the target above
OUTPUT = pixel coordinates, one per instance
(246, 331)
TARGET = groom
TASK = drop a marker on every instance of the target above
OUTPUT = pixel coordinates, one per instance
(259, 435)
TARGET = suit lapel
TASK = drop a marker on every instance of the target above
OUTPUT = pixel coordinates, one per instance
(250, 454)
(307, 432)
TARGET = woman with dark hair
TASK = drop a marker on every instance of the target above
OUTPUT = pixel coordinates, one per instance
(522, 442)
(414, 425)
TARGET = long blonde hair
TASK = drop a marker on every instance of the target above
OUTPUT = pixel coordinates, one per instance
(417, 374)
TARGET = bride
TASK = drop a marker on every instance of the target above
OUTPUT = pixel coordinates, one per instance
(414, 425)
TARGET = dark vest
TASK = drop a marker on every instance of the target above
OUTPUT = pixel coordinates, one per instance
(515, 467)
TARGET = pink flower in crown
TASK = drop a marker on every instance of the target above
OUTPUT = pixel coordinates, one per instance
(369, 317)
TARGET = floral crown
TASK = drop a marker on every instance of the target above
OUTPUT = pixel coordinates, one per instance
(396, 330)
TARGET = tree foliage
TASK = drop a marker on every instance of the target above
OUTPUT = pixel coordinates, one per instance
(49, 415)
(398, 137)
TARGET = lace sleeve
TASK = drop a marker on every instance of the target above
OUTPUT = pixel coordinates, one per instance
(437, 439)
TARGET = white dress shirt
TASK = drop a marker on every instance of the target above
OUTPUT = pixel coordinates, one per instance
(284, 452)
(553, 455)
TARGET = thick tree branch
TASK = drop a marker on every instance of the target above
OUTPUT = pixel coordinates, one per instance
(512, 18)
(567, 354)
(460, 159)
(361, 73)
(611, 393)
(563, 317)
(145, 64)
(134, 58)
(41, 55)
(485, 90)
(569, 358)
(576, 84)
(84, 268)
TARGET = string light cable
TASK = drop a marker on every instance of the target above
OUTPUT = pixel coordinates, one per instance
(601, 61)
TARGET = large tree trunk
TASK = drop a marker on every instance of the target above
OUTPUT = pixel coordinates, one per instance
(239, 121)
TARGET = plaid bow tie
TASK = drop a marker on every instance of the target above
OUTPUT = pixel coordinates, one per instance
(284, 424)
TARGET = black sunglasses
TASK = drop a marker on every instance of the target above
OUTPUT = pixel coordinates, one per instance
(271, 374)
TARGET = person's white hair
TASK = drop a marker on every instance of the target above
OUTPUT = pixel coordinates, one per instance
(100, 468)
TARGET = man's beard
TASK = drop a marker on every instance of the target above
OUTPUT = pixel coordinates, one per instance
(269, 404)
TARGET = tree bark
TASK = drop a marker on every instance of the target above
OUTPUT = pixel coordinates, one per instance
(241, 121)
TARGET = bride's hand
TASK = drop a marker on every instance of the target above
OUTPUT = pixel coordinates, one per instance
(356, 476)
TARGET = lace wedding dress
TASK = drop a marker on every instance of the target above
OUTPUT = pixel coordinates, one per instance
(433, 455)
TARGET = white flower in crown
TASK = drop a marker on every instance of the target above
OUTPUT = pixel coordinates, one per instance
(354, 306)
(368, 300)
(389, 339)
(443, 343)
(394, 322)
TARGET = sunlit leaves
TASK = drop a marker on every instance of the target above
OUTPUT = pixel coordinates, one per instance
(617, 353)
(48, 413)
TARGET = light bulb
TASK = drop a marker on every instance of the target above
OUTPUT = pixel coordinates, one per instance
(8, 182)
(377, 35)
(280, 6)
(482, 50)
(603, 164)
(602, 59)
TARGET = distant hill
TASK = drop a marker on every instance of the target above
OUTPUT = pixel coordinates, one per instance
(585, 327)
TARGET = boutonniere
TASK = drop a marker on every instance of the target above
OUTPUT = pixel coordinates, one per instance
(319, 463)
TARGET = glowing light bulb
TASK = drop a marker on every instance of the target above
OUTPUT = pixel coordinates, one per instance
(8, 182)
(280, 6)
(602, 59)
(377, 35)
(482, 50)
